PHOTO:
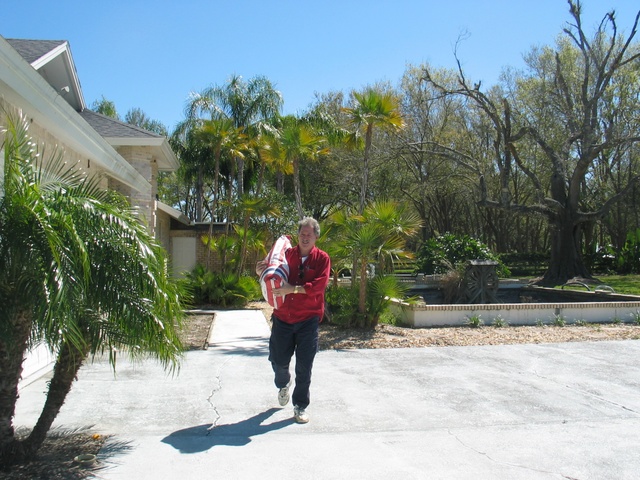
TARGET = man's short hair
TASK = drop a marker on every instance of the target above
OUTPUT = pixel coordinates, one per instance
(312, 222)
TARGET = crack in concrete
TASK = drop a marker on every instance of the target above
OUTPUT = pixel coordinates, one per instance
(590, 394)
(217, 387)
(509, 464)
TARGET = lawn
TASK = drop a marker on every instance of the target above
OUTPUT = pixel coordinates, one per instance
(629, 284)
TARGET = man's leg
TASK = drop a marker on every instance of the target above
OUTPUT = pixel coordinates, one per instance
(281, 348)
(306, 348)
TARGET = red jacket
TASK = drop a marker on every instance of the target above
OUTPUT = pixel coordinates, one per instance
(316, 272)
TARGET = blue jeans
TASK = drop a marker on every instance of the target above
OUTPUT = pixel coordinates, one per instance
(301, 338)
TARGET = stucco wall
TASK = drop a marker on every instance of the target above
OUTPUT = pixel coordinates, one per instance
(142, 159)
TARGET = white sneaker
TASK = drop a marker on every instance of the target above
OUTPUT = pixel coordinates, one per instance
(283, 396)
(300, 415)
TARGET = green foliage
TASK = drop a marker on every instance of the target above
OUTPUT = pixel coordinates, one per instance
(442, 253)
(629, 259)
(79, 273)
(559, 321)
(342, 305)
(342, 302)
(276, 225)
(474, 321)
(379, 294)
(626, 284)
(221, 289)
(500, 322)
(388, 318)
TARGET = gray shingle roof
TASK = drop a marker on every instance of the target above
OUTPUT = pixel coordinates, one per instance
(32, 50)
(109, 127)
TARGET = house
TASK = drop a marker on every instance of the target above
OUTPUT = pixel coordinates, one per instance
(39, 79)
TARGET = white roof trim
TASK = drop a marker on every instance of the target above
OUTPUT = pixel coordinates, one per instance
(27, 90)
(51, 54)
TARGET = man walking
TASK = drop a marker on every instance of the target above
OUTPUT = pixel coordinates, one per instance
(295, 322)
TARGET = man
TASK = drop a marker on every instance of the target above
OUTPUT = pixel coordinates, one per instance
(295, 323)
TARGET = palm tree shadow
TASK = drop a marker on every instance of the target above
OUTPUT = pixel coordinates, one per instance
(203, 437)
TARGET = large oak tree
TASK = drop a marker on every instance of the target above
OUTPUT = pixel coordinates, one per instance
(572, 117)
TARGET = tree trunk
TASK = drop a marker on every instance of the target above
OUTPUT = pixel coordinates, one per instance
(11, 357)
(240, 173)
(69, 361)
(362, 294)
(365, 168)
(296, 188)
(566, 258)
(199, 195)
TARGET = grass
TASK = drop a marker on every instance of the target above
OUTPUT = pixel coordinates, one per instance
(625, 284)
(628, 284)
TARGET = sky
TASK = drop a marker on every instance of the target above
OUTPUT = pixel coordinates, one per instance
(152, 54)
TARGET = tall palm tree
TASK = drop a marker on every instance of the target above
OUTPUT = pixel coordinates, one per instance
(274, 156)
(372, 109)
(247, 104)
(296, 141)
(79, 272)
(195, 162)
(226, 141)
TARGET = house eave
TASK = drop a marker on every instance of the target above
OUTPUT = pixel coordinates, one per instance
(23, 87)
(167, 159)
(174, 213)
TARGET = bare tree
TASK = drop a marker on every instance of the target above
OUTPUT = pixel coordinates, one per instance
(577, 114)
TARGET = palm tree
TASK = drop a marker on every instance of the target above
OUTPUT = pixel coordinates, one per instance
(372, 109)
(79, 272)
(195, 163)
(274, 156)
(226, 141)
(250, 206)
(247, 104)
(296, 141)
(378, 235)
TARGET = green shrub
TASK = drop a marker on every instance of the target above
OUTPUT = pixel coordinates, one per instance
(474, 321)
(441, 254)
(500, 322)
(559, 320)
(221, 289)
(629, 259)
(342, 302)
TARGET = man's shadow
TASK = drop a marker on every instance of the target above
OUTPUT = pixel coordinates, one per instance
(203, 437)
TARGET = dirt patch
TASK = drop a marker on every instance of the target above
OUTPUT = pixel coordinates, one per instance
(55, 458)
(333, 337)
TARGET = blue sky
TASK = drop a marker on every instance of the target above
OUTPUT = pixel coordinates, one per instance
(152, 54)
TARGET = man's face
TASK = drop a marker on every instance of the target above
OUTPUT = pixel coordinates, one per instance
(306, 238)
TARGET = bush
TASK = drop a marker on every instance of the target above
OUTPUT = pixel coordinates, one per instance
(342, 302)
(221, 289)
(629, 258)
(447, 252)
(342, 305)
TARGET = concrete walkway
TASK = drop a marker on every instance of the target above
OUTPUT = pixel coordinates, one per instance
(557, 411)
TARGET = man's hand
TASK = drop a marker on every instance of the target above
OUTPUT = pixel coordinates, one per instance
(285, 289)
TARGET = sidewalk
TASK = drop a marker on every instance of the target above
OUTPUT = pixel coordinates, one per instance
(498, 412)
